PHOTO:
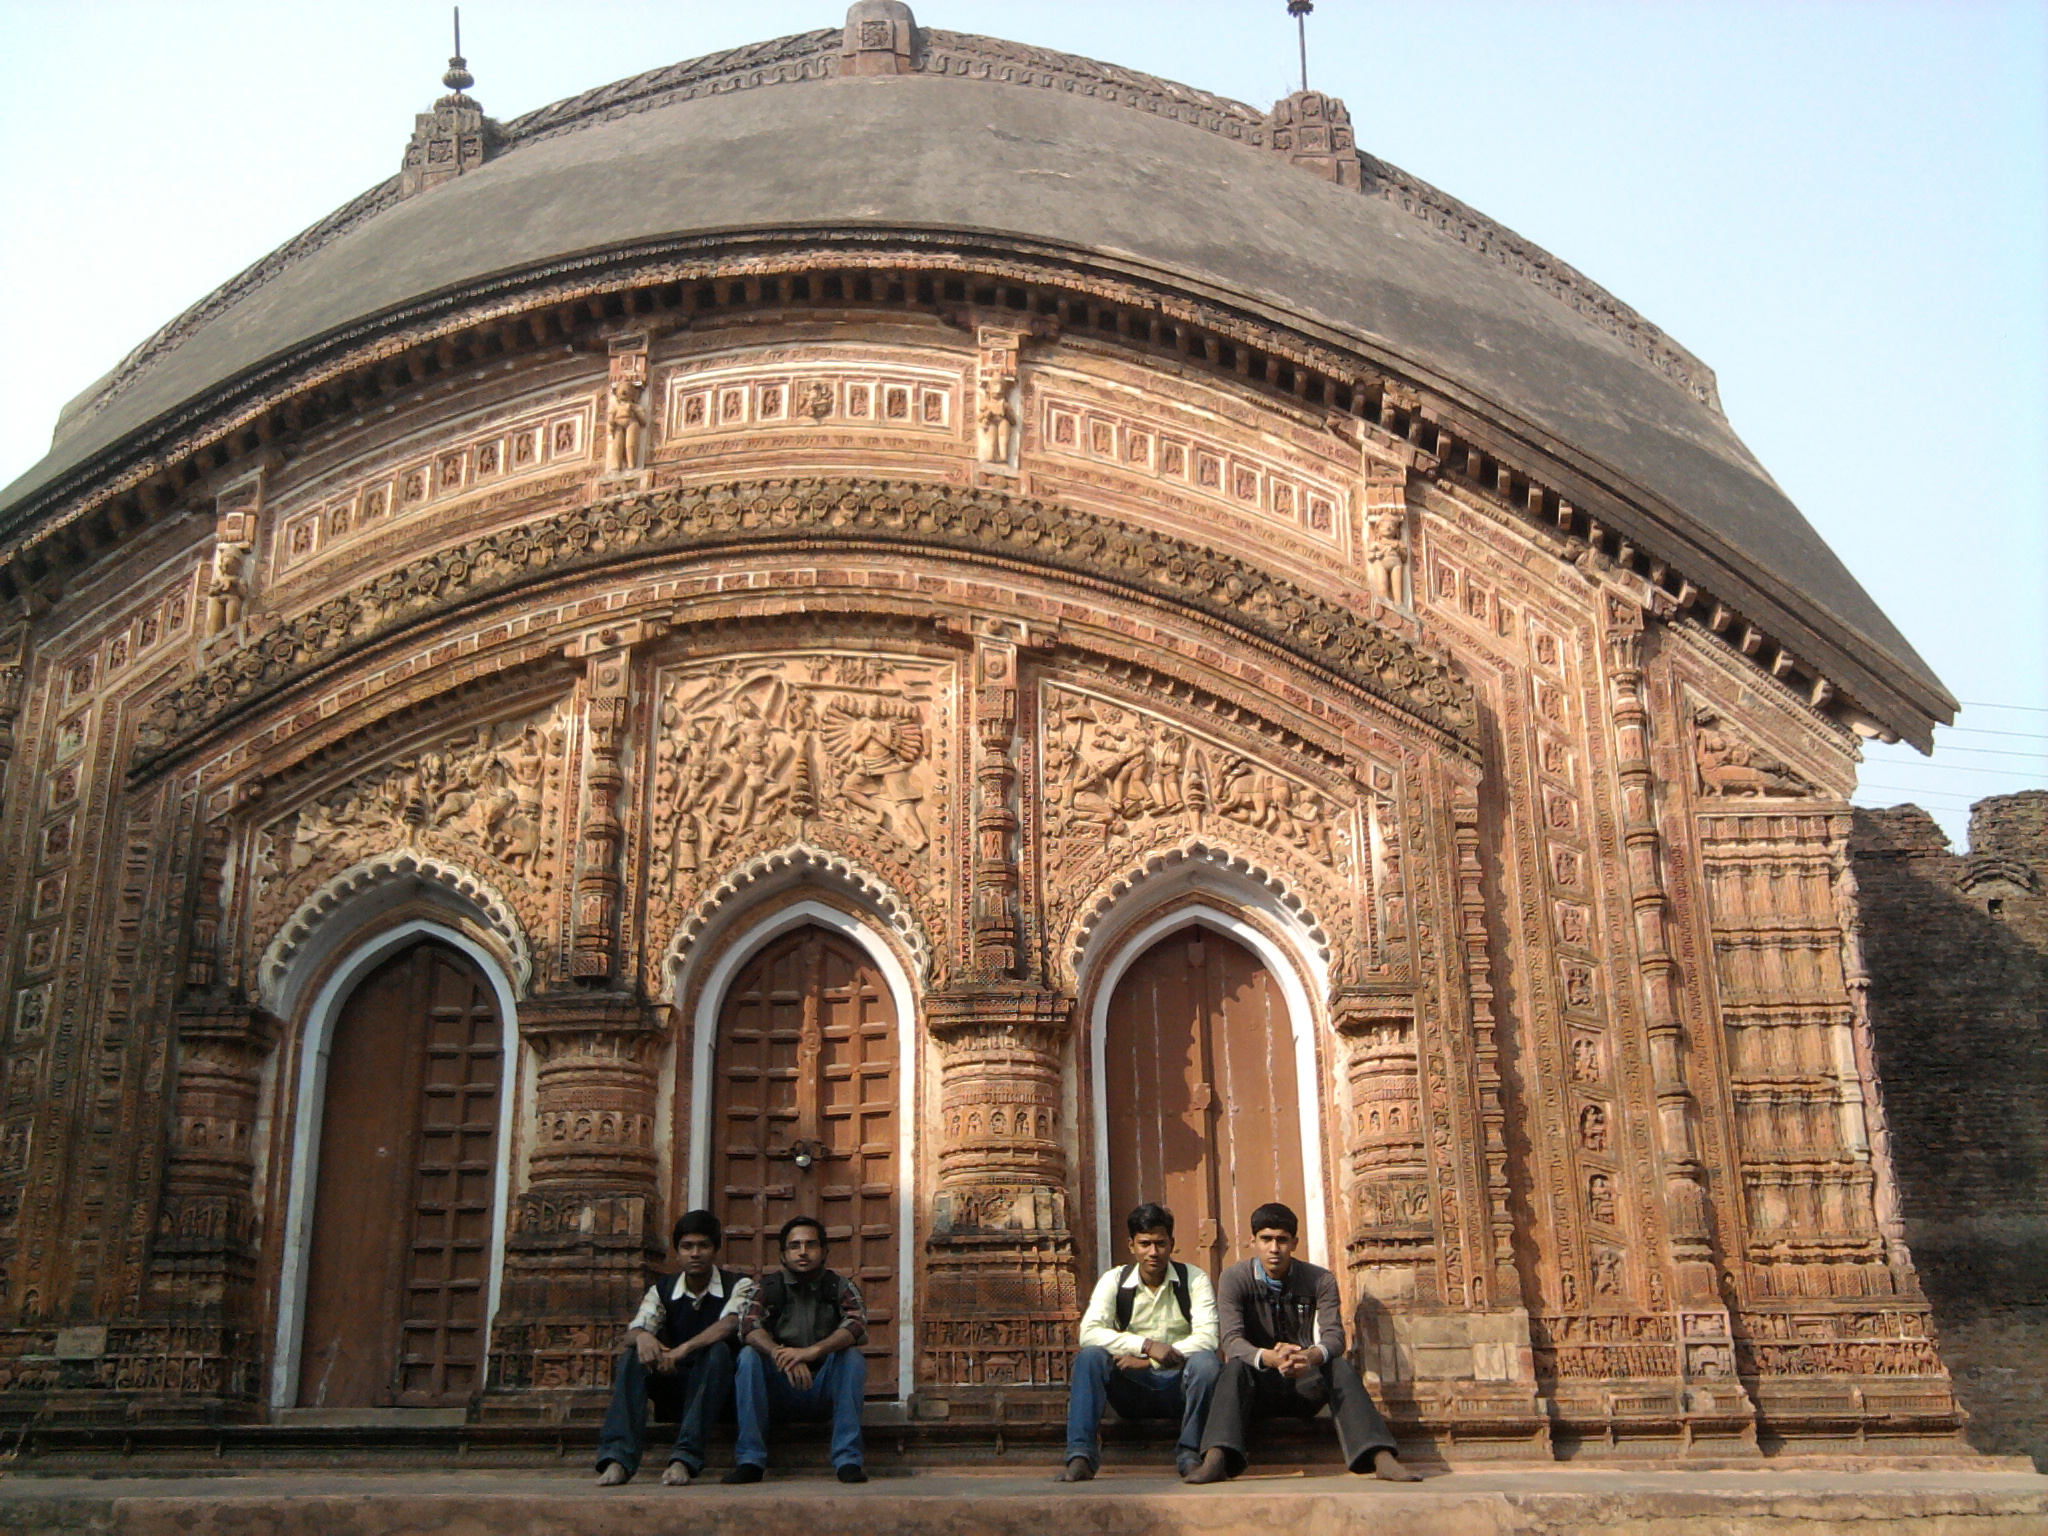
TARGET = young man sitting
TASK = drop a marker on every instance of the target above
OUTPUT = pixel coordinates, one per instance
(1283, 1352)
(680, 1353)
(1148, 1346)
(803, 1328)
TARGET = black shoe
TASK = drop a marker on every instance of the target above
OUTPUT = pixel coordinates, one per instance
(853, 1475)
(1215, 1468)
(742, 1474)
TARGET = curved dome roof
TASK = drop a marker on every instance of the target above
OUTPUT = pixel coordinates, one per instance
(990, 139)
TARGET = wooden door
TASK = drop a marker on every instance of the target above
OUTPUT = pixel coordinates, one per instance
(398, 1273)
(807, 1054)
(1204, 1107)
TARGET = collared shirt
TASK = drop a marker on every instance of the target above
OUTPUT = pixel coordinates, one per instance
(853, 1314)
(1155, 1314)
(653, 1311)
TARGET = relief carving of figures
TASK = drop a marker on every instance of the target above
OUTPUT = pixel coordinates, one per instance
(226, 592)
(1731, 767)
(487, 796)
(625, 421)
(779, 745)
(1386, 558)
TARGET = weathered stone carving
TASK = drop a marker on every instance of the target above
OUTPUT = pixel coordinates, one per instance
(1386, 536)
(625, 415)
(227, 589)
(974, 524)
(995, 411)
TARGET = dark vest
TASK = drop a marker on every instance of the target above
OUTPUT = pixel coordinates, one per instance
(800, 1316)
(686, 1316)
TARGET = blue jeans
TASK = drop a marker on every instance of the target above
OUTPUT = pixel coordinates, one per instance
(839, 1383)
(696, 1391)
(1149, 1394)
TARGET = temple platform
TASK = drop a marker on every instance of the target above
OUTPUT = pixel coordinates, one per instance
(1991, 1497)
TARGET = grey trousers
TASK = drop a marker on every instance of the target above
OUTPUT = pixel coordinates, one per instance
(1245, 1392)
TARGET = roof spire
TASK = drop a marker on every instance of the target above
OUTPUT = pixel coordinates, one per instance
(1298, 9)
(459, 79)
(453, 139)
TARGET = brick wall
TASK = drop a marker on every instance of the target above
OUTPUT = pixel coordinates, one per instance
(1957, 947)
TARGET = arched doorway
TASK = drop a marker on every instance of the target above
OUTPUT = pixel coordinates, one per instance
(1202, 1103)
(805, 1119)
(399, 1252)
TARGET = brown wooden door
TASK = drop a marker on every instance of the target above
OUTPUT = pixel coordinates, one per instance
(398, 1276)
(807, 1052)
(1204, 1107)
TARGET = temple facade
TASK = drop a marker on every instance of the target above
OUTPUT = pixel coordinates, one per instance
(902, 627)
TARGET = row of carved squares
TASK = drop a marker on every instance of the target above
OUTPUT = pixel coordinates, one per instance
(524, 448)
(121, 644)
(1203, 466)
(728, 406)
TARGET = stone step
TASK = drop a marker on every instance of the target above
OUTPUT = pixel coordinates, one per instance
(1489, 1502)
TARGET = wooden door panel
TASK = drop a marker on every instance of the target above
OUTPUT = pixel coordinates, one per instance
(807, 1050)
(1201, 1092)
(398, 1275)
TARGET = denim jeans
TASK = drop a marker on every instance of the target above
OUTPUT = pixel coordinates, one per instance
(1150, 1394)
(838, 1386)
(696, 1390)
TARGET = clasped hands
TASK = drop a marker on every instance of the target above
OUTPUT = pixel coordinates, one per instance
(1294, 1360)
(1157, 1352)
(796, 1363)
(655, 1358)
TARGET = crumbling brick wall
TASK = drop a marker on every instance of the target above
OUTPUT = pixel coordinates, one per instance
(1957, 947)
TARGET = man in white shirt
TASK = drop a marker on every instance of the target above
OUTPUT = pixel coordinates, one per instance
(1148, 1346)
(680, 1353)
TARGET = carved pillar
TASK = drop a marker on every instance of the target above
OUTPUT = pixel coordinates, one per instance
(607, 712)
(1485, 1042)
(1001, 1296)
(995, 811)
(1707, 1346)
(1392, 1243)
(13, 683)
(587, 1227)
(1890, 1212)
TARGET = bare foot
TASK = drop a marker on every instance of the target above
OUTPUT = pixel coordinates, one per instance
(1388, 1467)
(1215, 1468)
(1077, 1470)
(677, 1476)
(612, 1475)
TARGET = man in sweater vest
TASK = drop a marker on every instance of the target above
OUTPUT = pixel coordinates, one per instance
(680, 1353)
(1283, 1353)
(1148, 1346)
(803, 1329)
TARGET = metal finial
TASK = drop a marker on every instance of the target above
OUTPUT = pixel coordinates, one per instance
(1299, 10)
(458, 77)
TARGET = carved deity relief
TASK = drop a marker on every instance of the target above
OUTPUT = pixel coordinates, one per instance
(625, 416)
(1732, 767)
(489, 798)
(754, 750)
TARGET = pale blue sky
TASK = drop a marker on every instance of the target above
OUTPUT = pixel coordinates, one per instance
(1841, 205)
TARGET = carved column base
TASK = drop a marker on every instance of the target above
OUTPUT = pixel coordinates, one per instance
(587, 1232)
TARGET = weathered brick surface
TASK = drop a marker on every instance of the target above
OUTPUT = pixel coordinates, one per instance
(1958, 952)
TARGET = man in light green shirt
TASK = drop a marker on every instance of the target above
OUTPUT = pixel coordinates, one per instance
(1148, 1346)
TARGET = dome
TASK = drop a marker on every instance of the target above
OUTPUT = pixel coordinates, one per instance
(937, 141)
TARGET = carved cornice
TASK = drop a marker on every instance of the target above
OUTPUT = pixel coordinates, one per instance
(853, 513)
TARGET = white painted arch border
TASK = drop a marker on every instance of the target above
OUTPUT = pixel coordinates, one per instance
(704, 1038)
(1287, 969)
(315, 1047)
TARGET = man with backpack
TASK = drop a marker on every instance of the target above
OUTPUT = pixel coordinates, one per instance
(1148, 1346)
(803, 1328)
(681, 1355)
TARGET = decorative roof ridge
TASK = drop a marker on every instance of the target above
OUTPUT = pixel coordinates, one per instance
(953, 55)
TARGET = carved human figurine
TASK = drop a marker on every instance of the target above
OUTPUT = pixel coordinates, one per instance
(625, 426)
(996, 417)
(225, 593)
(1386, 558)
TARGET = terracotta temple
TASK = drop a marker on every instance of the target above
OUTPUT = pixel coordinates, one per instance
(903, 626)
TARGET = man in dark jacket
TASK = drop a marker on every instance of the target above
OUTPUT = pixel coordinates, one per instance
(803, 1328)
(680, 1354)
(1282, 1323)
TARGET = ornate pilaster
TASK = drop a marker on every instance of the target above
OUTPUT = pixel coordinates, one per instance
(587, 1227)
(1002, 1298)
(1485, 1041)
(14, 654)
(1391, 1245)
(996, 935)
(607, 713)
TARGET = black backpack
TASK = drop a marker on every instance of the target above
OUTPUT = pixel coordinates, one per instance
(1127, 1296)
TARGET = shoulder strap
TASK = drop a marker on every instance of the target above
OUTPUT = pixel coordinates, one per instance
(774, 1291)
(1125, 1299)
(1180, 1292)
